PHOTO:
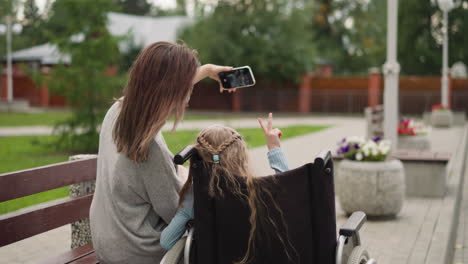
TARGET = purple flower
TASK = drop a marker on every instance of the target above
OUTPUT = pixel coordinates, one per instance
(344, 149)
(343, 140)
(356, 146)
(377, 139)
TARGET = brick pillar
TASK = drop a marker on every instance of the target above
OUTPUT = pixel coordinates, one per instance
(236, 101)
(450, 88)
(304, 99)
(374, 87)
(3, 87)
(44, 94)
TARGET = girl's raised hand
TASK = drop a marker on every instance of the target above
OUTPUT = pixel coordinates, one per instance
(272, 134)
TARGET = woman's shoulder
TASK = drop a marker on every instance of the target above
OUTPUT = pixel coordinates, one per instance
(159, 149)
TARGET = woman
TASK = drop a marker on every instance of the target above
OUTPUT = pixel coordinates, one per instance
(137, 183)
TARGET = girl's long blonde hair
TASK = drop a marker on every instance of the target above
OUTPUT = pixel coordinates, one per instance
(233, 161)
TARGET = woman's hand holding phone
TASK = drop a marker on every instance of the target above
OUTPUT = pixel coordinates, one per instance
(272, 135)
(211, 71)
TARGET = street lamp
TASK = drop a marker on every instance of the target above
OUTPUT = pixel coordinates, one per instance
(391, 69)
(445, 6)
(8, 29)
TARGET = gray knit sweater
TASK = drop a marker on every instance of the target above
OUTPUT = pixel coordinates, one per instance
(133, 202)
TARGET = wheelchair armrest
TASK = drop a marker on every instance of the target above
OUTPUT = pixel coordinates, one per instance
(353, 224)
(184, 155)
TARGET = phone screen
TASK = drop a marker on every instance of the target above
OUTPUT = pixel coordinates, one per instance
(236, 78)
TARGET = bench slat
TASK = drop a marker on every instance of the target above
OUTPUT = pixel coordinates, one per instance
(33, 221)
(26, 182)
(89, 259)
(71, 255)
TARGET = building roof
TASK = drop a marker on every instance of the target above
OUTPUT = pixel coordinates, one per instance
(142, 30)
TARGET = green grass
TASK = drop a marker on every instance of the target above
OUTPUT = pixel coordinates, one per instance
(8, 119)
(17, 153)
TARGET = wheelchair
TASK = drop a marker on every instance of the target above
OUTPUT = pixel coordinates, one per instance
(220, 228)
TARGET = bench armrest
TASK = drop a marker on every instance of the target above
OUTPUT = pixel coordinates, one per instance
(353, 224)
(184, 155)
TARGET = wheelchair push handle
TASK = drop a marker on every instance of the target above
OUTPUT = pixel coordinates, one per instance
(323, 158)
(185, 154)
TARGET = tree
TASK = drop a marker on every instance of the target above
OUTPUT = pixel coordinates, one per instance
(420, 37)
(350, 33)
(33, 26)
(80, 31)
(270, 36)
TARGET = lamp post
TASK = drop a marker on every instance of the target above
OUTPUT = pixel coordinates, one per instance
(8, 29)
(445, 6)
(391, 69)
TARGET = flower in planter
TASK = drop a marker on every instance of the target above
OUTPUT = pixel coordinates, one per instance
(408, 127)
(360, 149)
(439, 107)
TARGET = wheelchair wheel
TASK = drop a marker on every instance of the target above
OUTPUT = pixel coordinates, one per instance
(358, 256)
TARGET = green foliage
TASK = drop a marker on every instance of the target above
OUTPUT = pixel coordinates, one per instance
(79, 30)
(270, 36)
(351, 34)
(420, 36)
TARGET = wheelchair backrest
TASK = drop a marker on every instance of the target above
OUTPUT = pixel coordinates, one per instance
(306, 198)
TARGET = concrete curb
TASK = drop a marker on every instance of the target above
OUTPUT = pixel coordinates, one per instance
(445, 231)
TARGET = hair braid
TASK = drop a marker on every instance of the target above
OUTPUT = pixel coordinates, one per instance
(202, 141)
(227, 143)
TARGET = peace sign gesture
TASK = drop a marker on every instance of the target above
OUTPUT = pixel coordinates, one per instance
(272, 134)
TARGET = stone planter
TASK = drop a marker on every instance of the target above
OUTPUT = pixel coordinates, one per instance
(81, 231)
(442, 118)
(376, 188)
(421, 142)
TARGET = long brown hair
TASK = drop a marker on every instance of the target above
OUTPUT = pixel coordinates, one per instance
(233, 161)
(159, 85)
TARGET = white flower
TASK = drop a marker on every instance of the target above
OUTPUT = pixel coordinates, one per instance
(384, 150)
(366, 152)
(358, 156)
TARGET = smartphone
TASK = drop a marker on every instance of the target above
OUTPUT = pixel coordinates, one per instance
(237, 78)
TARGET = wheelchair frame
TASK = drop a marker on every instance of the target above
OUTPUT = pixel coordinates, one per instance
(348, 250)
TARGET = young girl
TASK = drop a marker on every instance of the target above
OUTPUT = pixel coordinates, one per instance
(224, 148)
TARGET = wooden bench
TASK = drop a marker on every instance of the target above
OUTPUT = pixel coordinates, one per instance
(425, 171)
(34, 220)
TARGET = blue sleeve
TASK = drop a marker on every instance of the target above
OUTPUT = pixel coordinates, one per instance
(278, 160)
(176, 228)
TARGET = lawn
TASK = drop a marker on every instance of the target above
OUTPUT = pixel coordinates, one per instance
(8, 119)
(17, 153)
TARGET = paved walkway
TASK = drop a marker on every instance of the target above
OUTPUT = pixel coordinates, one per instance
(417, 235)
(460, 255)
